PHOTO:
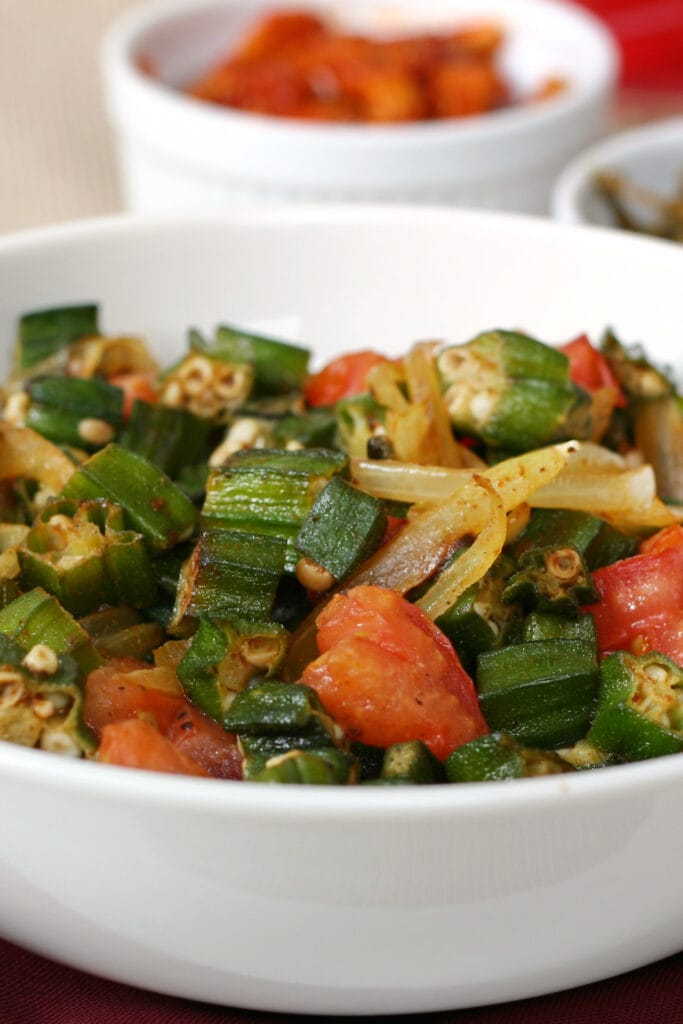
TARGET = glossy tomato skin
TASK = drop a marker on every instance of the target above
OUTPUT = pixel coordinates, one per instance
(641, 603)
(342, 378)
(135, 743)
(387, 674)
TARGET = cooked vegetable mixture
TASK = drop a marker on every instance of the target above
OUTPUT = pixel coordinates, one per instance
(460, 565)
(293, 63)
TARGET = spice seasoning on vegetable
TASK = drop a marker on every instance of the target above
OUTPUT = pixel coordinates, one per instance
(448, 567)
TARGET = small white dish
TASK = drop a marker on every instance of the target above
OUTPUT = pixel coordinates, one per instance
(650, 157)
(175, 151)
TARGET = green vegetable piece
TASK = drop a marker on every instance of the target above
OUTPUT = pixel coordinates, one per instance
(153, 505)
(551, 580)
(316, 428)
(171, 439)
(543, 693)
(46, 703)
(594, 538)
(370, 760)
(62, 406)
(279, 367)
(360, 420)
(257, 751)
(412, 762)
(658, 434)
(80, 552)
(222, 658)
(231, 575)
(640, 708)
(37, 617)
(498, 757)
(545, 626)
(121, 632)
(343, 528)
(636, 375)
(273, 708)
(328, 767)
(510, 391)
(45, 332)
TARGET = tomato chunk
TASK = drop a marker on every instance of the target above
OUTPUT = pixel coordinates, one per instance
(113, 694)
(137, 744)
(342, 378)
(134, 386)
(206, 742)
(641, 603)
(589, 369)
(387, 674)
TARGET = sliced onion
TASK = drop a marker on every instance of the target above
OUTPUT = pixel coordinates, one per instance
(24, 453)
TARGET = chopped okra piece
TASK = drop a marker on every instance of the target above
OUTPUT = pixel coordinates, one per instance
(273, 708)
(279, 366)
(370, 759)
(37, 617)
(207, 387)
(553, 579)
(316, 428)
(231, 575)
(594, 538)
(327, 767)
(510, 391)
(658, 434)
(121, 632)
(640, 707)
(546, 626)
(635, 374)
(360, 422)
(47, 331)
(269, 492)
(41, 700)
(222, 658)
(171, 439)
(153, 505)
(343, 528)
(80, 552)
(411, 762)
(497, 757)
(74, 412)
(541, 692)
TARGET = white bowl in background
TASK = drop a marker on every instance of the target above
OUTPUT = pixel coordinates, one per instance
(175, 151)
(344, 900)
(650, 156)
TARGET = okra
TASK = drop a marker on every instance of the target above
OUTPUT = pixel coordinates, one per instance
(542, 692)
(315, 429)
(273, 708)
(222, 658)
(498, 757)
(640, 707)
(594, 538)
(360, 421)
(411, 762)
(279, 367)
(510, 391)
(551, 579)
(658, 434)
(546, 626)
(37, 617)
(121, 632)
(73, 411)
(41, 700)
(81, 553)
(634, 372)
(172, 439)
(343, 528)
(327, 767)
(153, 505)
(45, 332)
(230, 575)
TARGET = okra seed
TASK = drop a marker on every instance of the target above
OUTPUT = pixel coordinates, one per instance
(42, 707)
(565, 564)
(261, 651)
(42, 660)
(173, 394)
(11, 691)
(55, 742)
(313, 576)
(95, 431)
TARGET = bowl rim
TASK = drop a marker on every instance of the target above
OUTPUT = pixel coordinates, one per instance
(221, 797)
(575, 178)
(127, 31)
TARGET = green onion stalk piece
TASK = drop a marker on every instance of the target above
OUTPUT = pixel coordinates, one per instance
(553, 579)
(541, 692)
(499, 757)
(41, 700)
(154, 506)
(46, 332)
(640, 707)
(81, 552)
(510, 391)
(38, 618)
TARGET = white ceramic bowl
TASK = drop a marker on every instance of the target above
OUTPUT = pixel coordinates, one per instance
(176, 151)
(650, 156)
(357, 900)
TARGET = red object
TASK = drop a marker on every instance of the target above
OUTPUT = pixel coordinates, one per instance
(387, 674)
(342, 378)
(650, 38)
(134, 386)
(137, 744)
(641, 603)
(111, 695)
(589, 369)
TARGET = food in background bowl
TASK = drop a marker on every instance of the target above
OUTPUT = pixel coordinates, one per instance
(297, 64)
(390, 571)
(636, 208)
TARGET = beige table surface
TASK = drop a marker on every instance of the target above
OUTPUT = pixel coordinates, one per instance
(56, 157)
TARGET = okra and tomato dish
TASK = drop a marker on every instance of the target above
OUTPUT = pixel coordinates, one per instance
(461, 564)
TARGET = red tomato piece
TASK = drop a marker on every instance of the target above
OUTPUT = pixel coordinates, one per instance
(589, 369)
(112, 696)
(641, 604)
(134, 386)
(206, 742)
(137, 744)
(669, 537)
(342, 378)
(387, 674)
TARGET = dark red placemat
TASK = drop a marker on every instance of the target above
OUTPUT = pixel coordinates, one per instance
(34, 990)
